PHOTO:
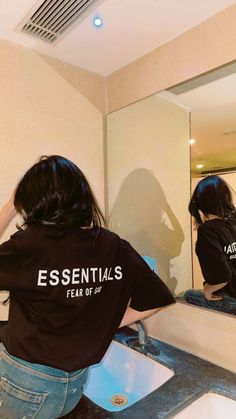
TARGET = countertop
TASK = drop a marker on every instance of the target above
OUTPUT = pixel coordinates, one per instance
(193, 377)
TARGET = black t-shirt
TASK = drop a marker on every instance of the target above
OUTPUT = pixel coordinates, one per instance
(69, 292)
(216, 251)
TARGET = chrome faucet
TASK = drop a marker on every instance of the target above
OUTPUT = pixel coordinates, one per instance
(143, 344)
(142, 333)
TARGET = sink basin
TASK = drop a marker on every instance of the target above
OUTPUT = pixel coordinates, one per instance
(123, 377)
(209, 406)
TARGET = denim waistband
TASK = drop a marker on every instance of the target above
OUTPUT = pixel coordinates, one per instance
(44, 371)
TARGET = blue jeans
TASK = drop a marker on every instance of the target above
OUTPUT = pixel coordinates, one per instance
(30, 391)
(196, 297)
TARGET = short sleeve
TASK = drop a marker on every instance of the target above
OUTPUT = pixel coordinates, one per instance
(9, 266)
(148, 290)
(213, 262)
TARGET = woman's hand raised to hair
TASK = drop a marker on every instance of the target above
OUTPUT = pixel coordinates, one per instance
(10, 204)
(7, 213)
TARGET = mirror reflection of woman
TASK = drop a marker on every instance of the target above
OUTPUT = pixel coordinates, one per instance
(215, 217)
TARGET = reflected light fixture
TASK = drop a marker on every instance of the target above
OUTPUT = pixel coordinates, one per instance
(200, 166)
(97, 22)
(192, 141)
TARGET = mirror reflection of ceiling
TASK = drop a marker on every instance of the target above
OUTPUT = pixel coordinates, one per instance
(212, 102)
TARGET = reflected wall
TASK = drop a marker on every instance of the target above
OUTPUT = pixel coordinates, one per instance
(149, 184)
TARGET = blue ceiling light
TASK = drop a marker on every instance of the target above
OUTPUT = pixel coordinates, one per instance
(97, 22)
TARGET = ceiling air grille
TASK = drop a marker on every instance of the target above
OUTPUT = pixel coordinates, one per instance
(54, 17)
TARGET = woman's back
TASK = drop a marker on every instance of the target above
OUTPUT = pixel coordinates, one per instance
(216, 250)
(72, 284)
(69, 290)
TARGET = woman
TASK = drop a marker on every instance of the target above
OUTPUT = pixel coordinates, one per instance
(215, 217)
(72, 283)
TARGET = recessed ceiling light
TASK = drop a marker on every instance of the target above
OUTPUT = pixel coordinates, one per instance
(97, 21)
(192, 141)
(200, 166)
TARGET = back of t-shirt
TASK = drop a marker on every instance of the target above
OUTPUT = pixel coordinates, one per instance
(69, 291)
(216, 250)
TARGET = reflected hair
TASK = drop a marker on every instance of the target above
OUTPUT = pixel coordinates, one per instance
(212, 195)
(55, 191)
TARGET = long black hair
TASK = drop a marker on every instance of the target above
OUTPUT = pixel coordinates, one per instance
(212, 195)
(55, 191)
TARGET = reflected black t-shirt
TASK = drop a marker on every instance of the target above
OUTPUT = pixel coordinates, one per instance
(216, 251)
(69, 292)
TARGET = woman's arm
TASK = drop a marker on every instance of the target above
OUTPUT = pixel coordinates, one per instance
(209, 289)
(7, 213)
(132, 315)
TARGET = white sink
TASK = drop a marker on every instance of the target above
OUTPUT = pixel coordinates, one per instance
(209, 406)
(123, 377)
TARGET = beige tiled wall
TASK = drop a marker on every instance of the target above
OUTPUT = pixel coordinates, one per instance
(47, 107)
(208, 45)
(208, 334)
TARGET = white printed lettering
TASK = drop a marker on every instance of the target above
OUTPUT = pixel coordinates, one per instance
(104, 278)
(94, 275)
(94, 270)
(75, 274)
(54, 275)
(88, 291)
(42, 275)
(66, 277)
(74, 293)
(229, 250)
(118, 272)
(110, 278)
(84, 275)
(97, 290)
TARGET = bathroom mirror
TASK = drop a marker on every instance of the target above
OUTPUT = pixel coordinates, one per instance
(148, 172)
(212, 100)
(150, 175)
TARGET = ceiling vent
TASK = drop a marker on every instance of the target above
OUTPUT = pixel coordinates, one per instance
(53, 17)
